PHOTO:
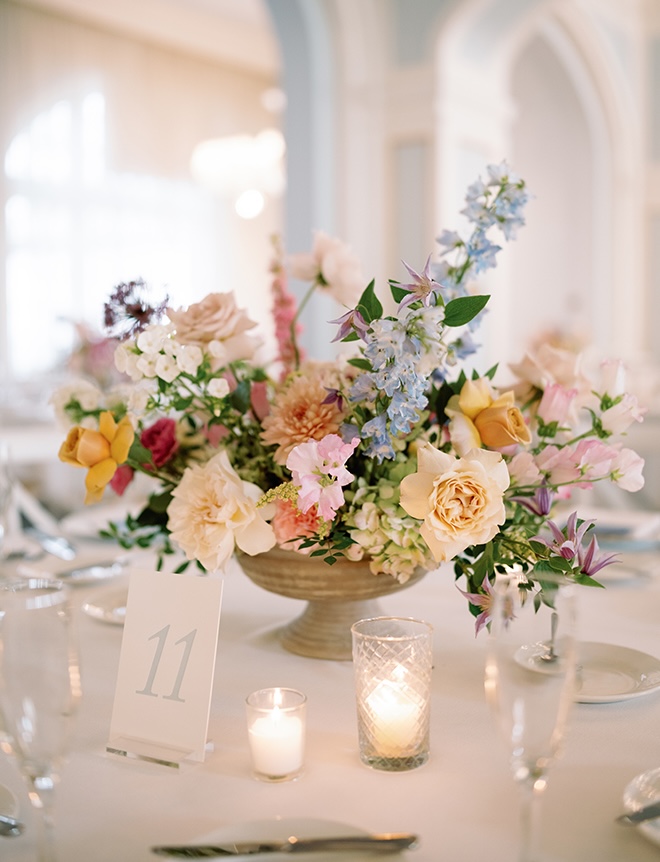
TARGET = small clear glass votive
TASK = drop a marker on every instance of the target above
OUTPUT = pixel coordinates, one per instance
(276, 733)
(393, 660)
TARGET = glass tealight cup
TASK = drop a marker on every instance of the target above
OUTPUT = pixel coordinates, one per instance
(276, 720)
(393, 660)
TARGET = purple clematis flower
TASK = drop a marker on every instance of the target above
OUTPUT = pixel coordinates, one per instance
(481, 600)
(540, 504)
(422, 287)
(350, 322)
(568, 543)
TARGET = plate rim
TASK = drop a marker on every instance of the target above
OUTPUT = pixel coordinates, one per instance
(615, 697)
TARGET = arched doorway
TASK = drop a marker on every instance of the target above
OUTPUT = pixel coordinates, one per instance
(540, 89)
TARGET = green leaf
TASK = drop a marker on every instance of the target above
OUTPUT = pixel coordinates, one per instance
(588, 581)
(240, 397)
(369, 305)
(160, 502)
(363, 364)
(398, 292)
(139, 453)
(463, 309)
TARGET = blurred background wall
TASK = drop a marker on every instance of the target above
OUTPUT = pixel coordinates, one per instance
(388, 109)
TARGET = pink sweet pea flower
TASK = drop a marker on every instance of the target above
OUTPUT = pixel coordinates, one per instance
(620, 416)
(318, 470)
(594, 459)
(556, 403)
(627, 470)
(560, 465)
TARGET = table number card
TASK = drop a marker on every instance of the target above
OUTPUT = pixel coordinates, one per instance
(165, 679)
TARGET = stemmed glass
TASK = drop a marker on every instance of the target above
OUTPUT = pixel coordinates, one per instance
(39, 688)
(530, 683)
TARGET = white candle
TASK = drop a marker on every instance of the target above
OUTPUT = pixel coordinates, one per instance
(396, 718)
(277, 743)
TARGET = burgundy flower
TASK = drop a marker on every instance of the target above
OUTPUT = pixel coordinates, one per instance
(160, 440)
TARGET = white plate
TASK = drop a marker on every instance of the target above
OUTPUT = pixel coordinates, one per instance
(79, 575)
(108, 607)
(643, 790)
(280, 828)
(608, 673)
(8, 802)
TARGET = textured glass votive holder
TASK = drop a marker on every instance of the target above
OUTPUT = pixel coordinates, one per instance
(276, 733)
(393, 660)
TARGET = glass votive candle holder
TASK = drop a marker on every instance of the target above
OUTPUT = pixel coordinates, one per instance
(393, 660)
(276, 733)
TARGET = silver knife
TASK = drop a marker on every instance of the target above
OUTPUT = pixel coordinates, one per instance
(58, 546)
(388, 842)
(649, 812)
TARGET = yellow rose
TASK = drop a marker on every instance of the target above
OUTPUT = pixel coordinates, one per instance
(475, 396)
(502, 424)
(101, 452)
(478, 419)
(459, 500)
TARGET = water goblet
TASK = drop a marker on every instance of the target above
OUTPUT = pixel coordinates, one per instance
(39, 688)
(530, 683)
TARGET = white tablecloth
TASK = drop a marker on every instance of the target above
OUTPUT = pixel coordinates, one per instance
(462, 803)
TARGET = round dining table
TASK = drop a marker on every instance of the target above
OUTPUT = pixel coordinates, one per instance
(462, 803)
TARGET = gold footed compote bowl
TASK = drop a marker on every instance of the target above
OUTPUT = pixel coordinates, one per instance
(39, 688)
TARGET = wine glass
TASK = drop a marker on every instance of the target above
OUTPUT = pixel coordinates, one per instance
(530, 683)
(6, 491)
(39, 688)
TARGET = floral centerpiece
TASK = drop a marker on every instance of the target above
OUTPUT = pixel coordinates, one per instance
(392, 453)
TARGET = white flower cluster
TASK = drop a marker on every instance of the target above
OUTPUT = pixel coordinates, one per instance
(383, 531)
(156, 353)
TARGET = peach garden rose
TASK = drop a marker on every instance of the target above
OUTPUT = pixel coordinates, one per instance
(460, 501)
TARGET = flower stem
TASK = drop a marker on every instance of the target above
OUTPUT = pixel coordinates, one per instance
(292, 328)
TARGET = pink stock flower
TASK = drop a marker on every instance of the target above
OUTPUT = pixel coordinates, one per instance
(318, 470)
(556, 403)
(285, 309)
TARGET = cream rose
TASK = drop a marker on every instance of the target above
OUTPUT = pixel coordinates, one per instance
(216, 318)
(213, 511)
(459, 500)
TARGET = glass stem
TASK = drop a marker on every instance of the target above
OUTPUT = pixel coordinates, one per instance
(41, 793)
(530, 821)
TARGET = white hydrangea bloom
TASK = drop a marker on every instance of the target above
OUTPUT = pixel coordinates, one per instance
(167, 368)
(146, 364)
(218, 387)
(126, 361)
(153, 339)
(188, 358)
